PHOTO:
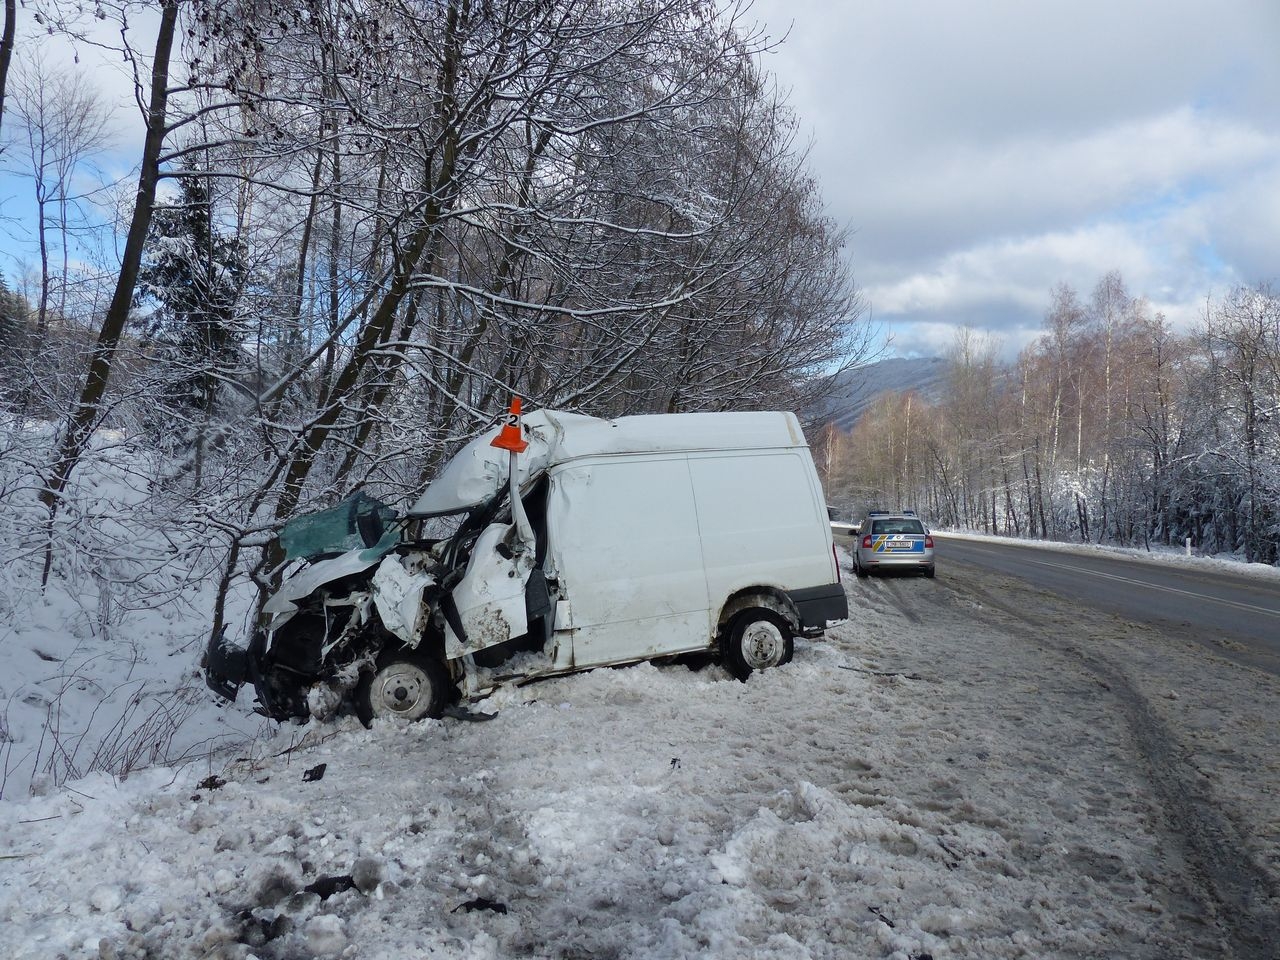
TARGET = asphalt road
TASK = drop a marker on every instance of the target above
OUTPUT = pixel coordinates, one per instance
(1175, 667)
(1237, 616)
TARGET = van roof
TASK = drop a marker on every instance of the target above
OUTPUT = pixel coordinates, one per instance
(591, 436)
(479, 469)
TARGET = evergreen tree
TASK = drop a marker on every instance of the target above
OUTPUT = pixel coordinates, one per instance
(192, 276)
(14, 343)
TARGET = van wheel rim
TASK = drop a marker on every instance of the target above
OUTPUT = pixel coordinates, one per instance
(762, 645)
(401, 690)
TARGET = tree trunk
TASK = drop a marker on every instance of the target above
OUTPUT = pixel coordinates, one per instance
(6, 48)
(81, 421)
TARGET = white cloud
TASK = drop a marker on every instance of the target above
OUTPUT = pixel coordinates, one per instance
(936, 338)
(983, 153)
(1245, 225)
(958, 196)
(1013, 271)
(1003, 286)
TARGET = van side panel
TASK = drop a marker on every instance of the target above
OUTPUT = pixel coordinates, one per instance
(624, 546)
(763, 522)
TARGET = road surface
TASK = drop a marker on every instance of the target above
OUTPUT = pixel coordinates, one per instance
(1235, 615)
(1171, 674)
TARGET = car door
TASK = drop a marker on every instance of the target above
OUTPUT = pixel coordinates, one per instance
(490, 599)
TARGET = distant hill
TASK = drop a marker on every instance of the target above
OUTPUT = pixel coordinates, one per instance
(855, 389)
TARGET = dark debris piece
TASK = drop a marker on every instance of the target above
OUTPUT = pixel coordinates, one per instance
(211, 782)
(326, 887)
(473, 716)
(256, 931)
(881, 916)
(315, 773)
(481, 903)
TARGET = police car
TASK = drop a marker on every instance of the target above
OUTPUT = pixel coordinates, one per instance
(893, 541)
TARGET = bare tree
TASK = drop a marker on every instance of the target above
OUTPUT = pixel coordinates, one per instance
(79, 423)
(578, 163)
(598, 206)
(1243, 339)
(62, 123)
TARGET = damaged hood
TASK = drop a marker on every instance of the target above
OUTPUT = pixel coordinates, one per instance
(284, 601)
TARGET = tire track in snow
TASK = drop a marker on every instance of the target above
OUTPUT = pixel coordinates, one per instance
(882, 593)
(1241, 896)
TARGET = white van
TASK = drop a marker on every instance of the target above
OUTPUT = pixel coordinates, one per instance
(632, 539)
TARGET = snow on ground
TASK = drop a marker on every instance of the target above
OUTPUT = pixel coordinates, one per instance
(99, 670)
(86, 690)
(925, 782)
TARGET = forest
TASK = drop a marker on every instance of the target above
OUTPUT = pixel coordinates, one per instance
(1110, 427)
(354, 230)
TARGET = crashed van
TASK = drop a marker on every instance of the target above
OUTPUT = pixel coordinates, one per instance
(552, 545)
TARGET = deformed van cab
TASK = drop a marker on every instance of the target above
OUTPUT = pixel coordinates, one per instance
(631, 539)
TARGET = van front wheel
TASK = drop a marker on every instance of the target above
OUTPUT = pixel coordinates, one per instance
(405, 685)
(756, 640)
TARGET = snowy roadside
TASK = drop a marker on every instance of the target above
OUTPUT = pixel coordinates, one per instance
(924, 783)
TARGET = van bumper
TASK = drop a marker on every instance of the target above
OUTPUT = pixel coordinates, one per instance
(818, 606)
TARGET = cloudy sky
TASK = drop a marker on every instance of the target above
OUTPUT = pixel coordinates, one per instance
(981, 153)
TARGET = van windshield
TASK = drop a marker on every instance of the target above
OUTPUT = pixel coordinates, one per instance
(358, 521)
(898, 525)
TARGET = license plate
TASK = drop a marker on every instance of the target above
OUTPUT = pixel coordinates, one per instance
(900, 544)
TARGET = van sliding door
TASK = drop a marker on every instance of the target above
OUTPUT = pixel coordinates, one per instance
(625, 547)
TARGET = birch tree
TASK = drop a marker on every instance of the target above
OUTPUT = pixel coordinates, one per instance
(61, 122)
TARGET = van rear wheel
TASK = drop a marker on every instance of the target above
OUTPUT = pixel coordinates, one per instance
(757, 639)
(405, 685)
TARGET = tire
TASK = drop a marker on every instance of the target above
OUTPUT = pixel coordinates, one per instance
(859, 569)
(928, 572)
(757, 639)
(405, 685)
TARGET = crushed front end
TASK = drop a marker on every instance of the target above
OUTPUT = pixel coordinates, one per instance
(326, 622)
(440, 595)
